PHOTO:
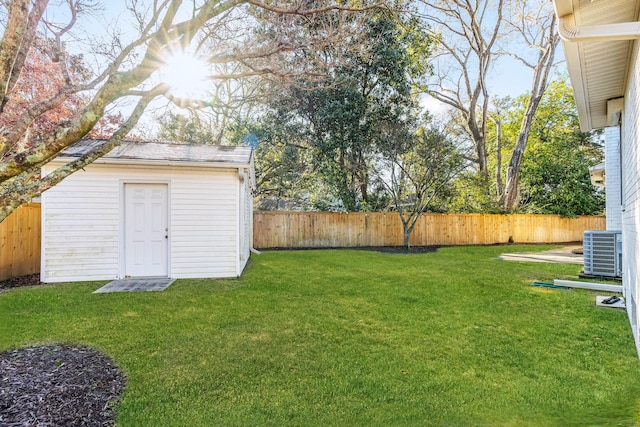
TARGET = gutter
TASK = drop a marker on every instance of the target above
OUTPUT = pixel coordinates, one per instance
(570, 32)
(592, 33)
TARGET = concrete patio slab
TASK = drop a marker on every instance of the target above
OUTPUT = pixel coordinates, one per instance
(619, 304)
(138, 284)
(563, 256)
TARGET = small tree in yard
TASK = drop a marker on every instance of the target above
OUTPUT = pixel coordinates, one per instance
(419, 178)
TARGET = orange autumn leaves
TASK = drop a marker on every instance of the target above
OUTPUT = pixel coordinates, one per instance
(43, 79)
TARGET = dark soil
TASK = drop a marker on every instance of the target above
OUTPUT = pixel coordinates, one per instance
(399, 249)
(58, 385)
(16, 282)
(383, 249)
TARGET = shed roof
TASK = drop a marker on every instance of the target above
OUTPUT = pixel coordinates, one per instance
(598, 65)
(165, 152)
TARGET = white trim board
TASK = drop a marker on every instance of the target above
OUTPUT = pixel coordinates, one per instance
(588, 285)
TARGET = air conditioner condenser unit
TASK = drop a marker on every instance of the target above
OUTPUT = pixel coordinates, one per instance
(602, 253)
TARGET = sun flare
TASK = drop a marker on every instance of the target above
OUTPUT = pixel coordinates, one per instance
(186, 75)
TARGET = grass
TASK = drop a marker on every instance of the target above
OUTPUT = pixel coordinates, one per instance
(335, 337)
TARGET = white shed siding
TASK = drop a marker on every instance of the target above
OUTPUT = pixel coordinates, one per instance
(80, 227)
(612, 174)
(631, 192)
(82, 238)
(203, 216)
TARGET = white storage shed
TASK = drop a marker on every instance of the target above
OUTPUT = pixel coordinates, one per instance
(149, 209)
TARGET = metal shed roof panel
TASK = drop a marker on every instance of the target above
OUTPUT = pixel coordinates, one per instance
(161, 151)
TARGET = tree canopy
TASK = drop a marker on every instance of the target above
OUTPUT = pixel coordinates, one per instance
(327, 93)
(128, 65)
(555, 173)
(365, 106)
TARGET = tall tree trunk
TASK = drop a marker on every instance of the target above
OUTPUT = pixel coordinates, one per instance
(18, 36)
(483, 166)
(509, 196)
(498, 156)
(364, 191)
(363, 178)
(479, 144)
(406, 236)
(541, 73)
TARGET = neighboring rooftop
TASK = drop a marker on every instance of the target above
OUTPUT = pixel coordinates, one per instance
(165, 151)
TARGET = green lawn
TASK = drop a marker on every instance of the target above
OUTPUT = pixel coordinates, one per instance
(352, 338)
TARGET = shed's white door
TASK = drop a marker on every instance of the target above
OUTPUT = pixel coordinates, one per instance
(146, 230)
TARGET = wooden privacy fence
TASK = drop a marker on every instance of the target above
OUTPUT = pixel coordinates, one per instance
(20, 242)
(20, 232)
(328, 229)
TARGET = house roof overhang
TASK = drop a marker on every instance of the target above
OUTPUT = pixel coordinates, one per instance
(598, 37)
(597, 174)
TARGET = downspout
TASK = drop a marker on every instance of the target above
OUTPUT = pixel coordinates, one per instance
(591, 33)
(252, 188)
(248, 173)
(239, 222)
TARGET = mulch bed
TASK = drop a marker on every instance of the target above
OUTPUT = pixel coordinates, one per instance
(399, 249)
(16, 282)
(58, 385)
(383, 249)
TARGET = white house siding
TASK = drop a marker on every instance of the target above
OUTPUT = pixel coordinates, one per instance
(82, 215)
(612, 174)
(631, 193)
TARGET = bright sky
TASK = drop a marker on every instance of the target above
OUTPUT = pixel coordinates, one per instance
(184, 73)
(510, 78)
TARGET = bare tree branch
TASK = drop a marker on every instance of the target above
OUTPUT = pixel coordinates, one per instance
(18, 36)
(132, 68)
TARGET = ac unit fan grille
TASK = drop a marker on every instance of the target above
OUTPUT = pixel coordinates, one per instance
(602, 253)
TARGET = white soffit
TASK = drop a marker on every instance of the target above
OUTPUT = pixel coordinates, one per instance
(598, 69)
